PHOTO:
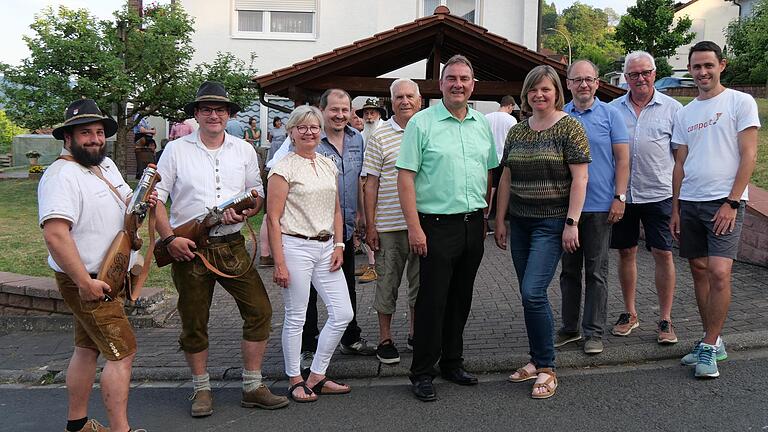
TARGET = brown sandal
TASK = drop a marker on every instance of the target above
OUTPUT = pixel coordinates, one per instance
(320, 388)
(549, 386)
(522, 375)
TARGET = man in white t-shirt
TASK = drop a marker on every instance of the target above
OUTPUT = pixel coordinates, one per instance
(716, 135)
(82, 203)
(501, 122)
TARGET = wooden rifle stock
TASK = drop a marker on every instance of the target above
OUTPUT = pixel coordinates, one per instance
(198, 228)
(114, 267)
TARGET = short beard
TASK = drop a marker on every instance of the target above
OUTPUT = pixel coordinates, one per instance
(86, 158)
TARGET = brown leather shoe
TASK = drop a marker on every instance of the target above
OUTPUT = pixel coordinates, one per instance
(263, 398)
(93, 426)
(202, 403)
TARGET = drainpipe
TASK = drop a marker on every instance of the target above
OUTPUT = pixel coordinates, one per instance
(266, 103)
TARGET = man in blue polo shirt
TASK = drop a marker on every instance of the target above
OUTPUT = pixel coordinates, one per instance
(603, 206)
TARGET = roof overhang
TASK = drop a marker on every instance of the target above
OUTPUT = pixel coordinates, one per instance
(500, 65)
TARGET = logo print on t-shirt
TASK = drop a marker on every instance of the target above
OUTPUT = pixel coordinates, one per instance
(705, 124)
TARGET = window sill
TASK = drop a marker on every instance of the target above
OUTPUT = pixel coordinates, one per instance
(275, 36)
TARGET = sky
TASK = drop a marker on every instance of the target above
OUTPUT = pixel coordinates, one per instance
(19, 14)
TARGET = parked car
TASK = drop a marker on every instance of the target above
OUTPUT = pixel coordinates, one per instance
(673, 82)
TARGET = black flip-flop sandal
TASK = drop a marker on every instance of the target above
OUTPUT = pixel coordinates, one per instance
(307, 391)
(319, 388)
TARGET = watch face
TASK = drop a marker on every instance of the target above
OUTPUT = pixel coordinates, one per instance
(570, 221)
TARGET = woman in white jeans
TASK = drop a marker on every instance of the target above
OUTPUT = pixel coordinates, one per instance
(305, 234)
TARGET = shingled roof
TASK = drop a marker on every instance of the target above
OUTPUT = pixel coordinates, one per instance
(500, 65)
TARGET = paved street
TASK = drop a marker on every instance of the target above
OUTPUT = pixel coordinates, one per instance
(659, 396)
(495, 338)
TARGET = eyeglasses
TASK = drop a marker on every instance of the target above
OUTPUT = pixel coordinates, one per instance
(579, 81)
(635, 75)
(206, 111)
(304, 128)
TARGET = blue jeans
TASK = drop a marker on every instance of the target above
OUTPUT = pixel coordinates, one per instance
(536, 246)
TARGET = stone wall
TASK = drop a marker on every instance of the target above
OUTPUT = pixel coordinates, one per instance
(22, 295)
(754, 235)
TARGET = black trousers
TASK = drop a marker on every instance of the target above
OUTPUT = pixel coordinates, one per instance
(352, 334)
(455, 247)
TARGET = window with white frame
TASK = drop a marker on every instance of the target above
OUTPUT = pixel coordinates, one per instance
(466, 9)
(278, 19)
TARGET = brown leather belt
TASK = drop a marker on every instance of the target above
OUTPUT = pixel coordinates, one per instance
(322, 238)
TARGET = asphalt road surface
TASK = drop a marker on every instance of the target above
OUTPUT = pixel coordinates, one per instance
(659, 396)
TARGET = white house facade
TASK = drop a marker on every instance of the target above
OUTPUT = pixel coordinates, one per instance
(710, 19)
(284, 32)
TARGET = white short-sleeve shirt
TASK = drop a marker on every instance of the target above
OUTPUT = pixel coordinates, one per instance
(72, 192)
(710, 129)
(197, 180)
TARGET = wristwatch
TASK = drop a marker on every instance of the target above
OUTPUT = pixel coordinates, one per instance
(733, 203)
(341, 245)
(620, 197)
(571, 222)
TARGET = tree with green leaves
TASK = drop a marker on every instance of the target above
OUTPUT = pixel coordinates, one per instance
(590, 32)
(650, 26)
(747, 41)
(134, 66)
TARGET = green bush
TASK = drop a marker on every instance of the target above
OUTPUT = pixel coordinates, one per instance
(8, 130)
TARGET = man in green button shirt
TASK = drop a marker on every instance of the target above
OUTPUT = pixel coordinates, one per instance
(443, 183)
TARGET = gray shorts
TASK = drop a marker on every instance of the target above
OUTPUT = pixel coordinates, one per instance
(391, 258)
(697, 237)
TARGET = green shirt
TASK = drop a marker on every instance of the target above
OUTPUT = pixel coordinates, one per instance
(451, 159)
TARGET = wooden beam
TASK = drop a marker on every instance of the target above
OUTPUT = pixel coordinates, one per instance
(484, 90)
(433, 63)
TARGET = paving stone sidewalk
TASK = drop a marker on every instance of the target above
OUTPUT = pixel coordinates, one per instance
(494, 339)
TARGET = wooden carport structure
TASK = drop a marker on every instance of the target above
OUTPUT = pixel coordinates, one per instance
(500, 65)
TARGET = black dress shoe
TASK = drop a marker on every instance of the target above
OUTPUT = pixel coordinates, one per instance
(423, 389)
(459, 376)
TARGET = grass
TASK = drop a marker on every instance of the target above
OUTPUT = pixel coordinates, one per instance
(22, 248)
(760, 175)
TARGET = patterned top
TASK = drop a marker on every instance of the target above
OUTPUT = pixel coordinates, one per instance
(311, 200)
(538, 164)
(380, 157)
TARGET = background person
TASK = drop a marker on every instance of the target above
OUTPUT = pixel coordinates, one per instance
(252, 133)
(276, 135)
(543, 187)
(501, 122)
(306, 230)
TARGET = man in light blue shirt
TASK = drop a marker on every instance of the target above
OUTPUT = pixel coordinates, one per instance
(603, 206)
(235, 128)
(649, 116)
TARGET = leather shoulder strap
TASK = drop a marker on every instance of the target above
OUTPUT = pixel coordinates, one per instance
(97, 173)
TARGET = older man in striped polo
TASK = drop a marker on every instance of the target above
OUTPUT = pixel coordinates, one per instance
(387, 232)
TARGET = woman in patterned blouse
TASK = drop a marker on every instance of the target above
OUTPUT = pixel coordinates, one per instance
(305, 234)
(543, 184)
